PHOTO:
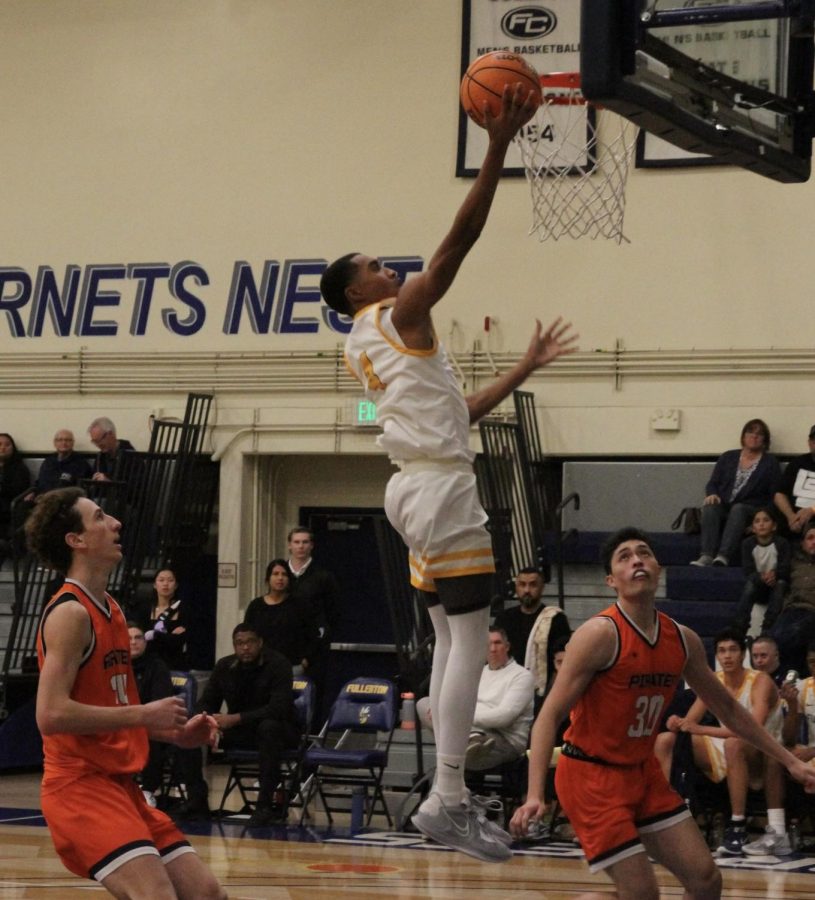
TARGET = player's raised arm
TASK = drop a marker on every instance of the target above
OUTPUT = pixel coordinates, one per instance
(544, 347)
(418, 295)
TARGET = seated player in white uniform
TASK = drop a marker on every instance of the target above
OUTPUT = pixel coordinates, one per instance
(721, 755)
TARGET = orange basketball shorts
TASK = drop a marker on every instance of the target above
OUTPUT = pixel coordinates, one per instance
(610, 806)
(99, 822)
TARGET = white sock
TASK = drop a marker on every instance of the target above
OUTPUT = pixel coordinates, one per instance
(457, 698)
(777, 820)
(441, 652)
(449, 778)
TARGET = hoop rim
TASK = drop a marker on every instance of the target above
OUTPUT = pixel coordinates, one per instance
(569, 81)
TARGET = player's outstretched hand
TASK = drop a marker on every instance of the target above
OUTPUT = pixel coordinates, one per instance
(166, 714)
(199, 730)
(531, 811)
(517, 107)
(546, 346)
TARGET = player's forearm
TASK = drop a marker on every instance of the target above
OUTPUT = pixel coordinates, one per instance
(473, 212)
(541, 747)
(70, 717)
(464, 232)
(735, 717)
(789, 730)
(484, 401)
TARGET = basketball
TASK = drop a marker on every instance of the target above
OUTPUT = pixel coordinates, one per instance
(486, 78)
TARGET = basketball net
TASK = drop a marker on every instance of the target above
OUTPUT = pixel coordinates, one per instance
(576, 159)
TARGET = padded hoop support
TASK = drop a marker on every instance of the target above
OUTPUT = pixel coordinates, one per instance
(563, 81)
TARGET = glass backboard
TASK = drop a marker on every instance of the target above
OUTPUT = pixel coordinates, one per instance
(732, 79)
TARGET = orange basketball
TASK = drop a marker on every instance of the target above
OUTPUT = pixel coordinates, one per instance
(486, 78)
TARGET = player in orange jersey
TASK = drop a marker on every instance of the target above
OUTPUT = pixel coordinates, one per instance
(619, 673)
(94, 729)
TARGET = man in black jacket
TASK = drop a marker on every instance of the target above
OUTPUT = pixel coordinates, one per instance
(256, 685)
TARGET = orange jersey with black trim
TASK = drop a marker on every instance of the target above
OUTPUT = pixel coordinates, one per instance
(104, 678)
(618, 717)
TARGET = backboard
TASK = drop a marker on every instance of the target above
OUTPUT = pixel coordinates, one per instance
(728, 78)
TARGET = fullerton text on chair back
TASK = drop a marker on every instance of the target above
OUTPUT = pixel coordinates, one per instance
(352, 749)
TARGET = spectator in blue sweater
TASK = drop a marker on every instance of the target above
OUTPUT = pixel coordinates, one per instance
(742, 481)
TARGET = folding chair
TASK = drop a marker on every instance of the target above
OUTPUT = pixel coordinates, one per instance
(244, 769)
(364, 707)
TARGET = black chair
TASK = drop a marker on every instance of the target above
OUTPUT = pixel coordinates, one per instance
(244, 768)
(342, 759)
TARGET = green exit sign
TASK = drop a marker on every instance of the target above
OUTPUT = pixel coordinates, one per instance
(365, 413)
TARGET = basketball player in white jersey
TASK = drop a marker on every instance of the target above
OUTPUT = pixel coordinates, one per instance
(432, 501)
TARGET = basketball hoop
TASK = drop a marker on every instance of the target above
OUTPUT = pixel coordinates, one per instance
(576, 157)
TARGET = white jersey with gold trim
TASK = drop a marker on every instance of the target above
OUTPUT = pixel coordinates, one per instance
(420, 407)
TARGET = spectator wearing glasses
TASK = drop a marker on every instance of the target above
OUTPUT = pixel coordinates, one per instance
(111, 459)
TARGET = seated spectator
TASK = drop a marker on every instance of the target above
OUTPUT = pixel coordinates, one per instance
(719, 754)
(503, 712)
(742, 481)
(799, 723)
(764, 657)
(65, 468)
(154, 683)
(14, 479)
(549, 624)
(256, 685)
(765, 558)
(112, 459)
(795, 497)
(166, 631)
(799, 731)
(285, 625)
(795, 625)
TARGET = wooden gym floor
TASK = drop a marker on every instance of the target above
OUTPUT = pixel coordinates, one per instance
(293, 863)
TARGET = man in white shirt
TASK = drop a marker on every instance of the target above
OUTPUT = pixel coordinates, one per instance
(503, 712)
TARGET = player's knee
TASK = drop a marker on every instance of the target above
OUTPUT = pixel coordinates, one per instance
(706, 883)
(208, 888)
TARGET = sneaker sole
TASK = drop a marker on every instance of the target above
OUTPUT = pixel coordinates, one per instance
(768, 852)
(502, 852)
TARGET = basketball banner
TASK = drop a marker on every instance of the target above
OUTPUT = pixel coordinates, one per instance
(546, 35)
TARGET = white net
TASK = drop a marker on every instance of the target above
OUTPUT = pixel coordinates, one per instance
(576, 160)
